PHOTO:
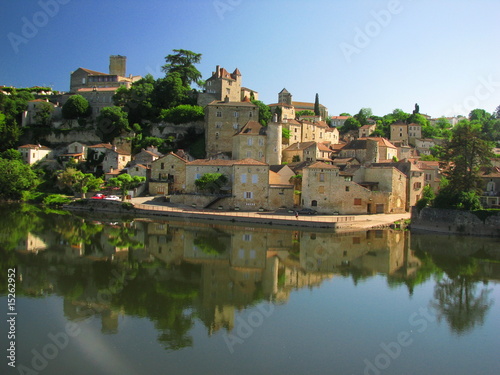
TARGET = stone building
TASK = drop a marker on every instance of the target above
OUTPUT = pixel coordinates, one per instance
(257, 142)
(32, 154)
(369, 150)
(367, 130)
(378, 190)
(408, 133)
(108, 158)
(168, 175)
(223, 119)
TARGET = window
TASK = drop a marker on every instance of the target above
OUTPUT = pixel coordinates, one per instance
(252, 254)
(248, 195)
(417, 185)
(347, 188)
(261, 142)
(249, 141)
(217, 135)
(236, 114)
(321, 177)
(428, 176)
(357, 201)
(314, 203)
(321, 190)
(249, 154)
(219, 114)
(250, 114)
(197, 176)
(218, 125)
(255, 179)
(247, 237)
(244, 178)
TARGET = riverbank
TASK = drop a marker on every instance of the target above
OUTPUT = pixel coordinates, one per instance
(146, 206)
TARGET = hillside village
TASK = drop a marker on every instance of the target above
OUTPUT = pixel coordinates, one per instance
(298, 159)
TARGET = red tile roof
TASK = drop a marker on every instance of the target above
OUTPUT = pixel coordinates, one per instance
(321, 165)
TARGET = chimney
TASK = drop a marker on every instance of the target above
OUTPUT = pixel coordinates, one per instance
(226, 99)
(217, 71)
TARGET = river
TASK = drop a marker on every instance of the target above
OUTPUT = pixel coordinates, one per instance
(98, 294)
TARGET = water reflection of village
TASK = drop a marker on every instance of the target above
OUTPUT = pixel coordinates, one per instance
(173, 273)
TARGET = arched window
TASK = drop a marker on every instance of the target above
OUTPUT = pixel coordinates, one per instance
(314, 203)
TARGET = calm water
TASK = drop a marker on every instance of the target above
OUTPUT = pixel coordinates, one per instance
(107, 296)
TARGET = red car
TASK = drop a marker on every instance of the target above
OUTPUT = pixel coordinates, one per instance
(99, 196)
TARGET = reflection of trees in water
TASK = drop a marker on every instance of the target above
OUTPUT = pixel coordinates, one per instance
(458, 302)
(456, 297)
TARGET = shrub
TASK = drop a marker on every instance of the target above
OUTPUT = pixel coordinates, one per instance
(183, 114)
(56, 200)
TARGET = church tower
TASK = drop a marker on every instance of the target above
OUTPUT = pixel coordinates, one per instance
(285, 97)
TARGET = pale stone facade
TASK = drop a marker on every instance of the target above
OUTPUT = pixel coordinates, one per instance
(32, 154)
(168, 175)
(371, 150)
(408, 133)
(147, 156)
(223, 120)
(113, 158)
(366, 130)
(326, 189)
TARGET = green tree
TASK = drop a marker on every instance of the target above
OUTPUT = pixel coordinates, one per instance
(465, 153)
(78, 182)
(111, 123)
(183, 114)
(305, 112)
(137, 100)
(182, 62)
(211, 182)
(125, 182)
(44, 113)
(169, 92)
(345, 114)
(11, 154)
(15, 179)
(76, 107)
(427, 197)
(264, 112)
(285, 133)
(316, 105)
(350, 124)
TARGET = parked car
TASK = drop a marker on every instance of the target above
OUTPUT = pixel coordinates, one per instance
(99, 196)
(307, 211)
(112, 198)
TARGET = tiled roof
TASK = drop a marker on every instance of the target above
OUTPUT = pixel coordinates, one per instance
(280, 105)
(321, 165)
(340, 117)
(322, 147)
(252, 128)
(232, 104)
(299, 146)
(93, 72)
(305, 105)
(368, 126)
(97, 88)
(110, 147)
(229, 163)
(40, 147)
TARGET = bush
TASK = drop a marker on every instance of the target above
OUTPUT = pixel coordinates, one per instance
(183, 114)
(56, 200)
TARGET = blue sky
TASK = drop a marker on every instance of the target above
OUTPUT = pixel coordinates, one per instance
(443, 55)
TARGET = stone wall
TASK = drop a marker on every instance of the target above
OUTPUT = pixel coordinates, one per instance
(454, 222)
(82, 136)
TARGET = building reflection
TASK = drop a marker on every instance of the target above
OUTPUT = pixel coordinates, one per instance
(174, 274)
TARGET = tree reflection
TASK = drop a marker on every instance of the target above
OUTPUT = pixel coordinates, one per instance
(457, 298)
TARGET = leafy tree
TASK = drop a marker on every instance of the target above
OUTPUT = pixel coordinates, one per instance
(43, 113)
(111, 123)
(264, 112)
(15, 179)
(79, 182)
(316, 105)
(183, 114)
(345, 114)
(125, 182)
(303, 113)
(11, 154)
(76, 107)
(361, 117)
(466, 153)
(350, 124)
(182, 62)
(427, 197)
(137, 100)
(285, 133)
(479, 115)
(211, 182)
(169, 92)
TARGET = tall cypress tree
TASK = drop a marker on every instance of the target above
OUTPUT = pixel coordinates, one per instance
(316, 105)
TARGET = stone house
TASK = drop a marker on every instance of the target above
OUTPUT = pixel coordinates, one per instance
(295, 129)
(431, 172)
(139, 170)
(32, 154)
(369, 150)
(338, 121)
(30, 116)
(248, 186)
(168, 175)
(491, 181)
(223, 119)
(408, 133)
(255, 141)
(366, 130)
(147, 156)
(378, 190)
(424, 145)
(107, 157)
(302, 151)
